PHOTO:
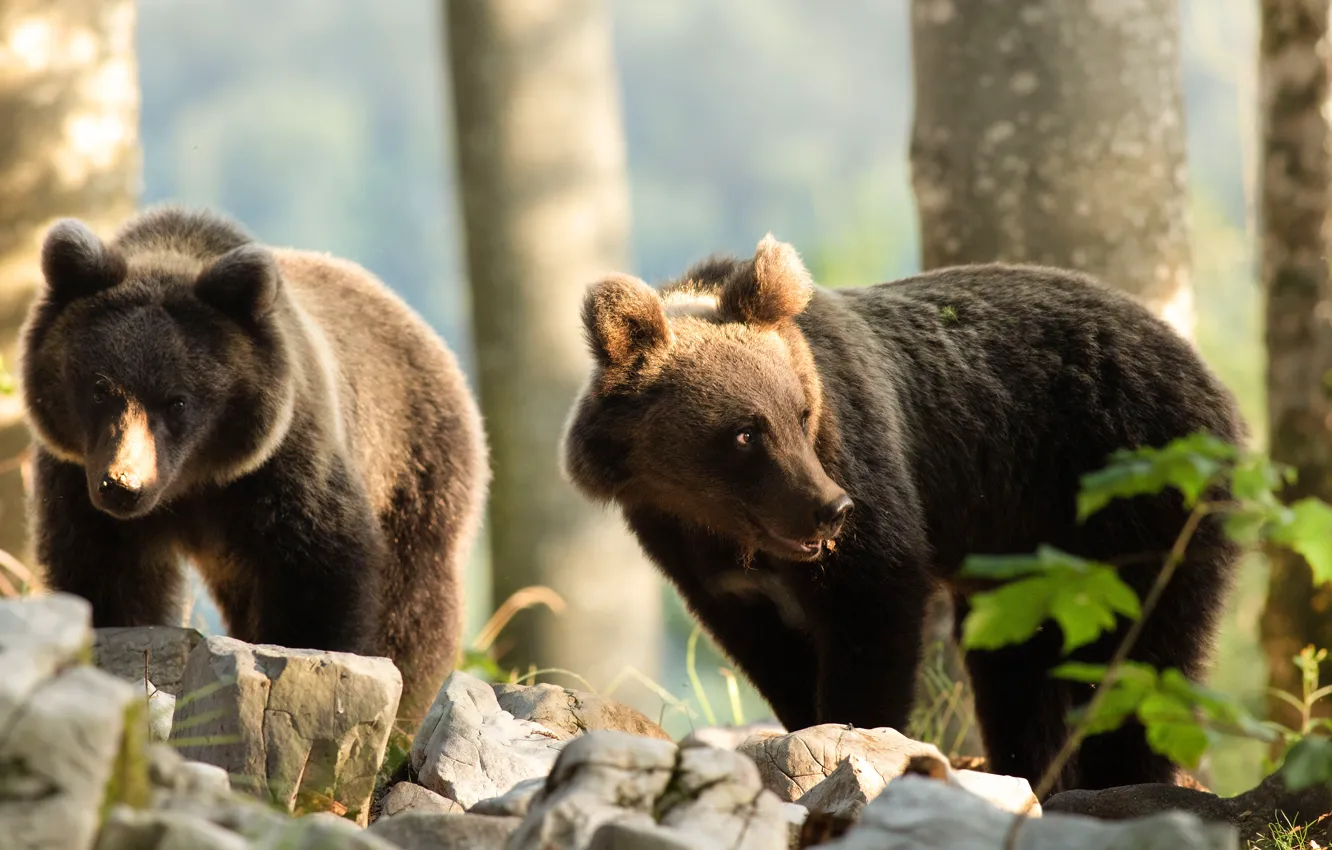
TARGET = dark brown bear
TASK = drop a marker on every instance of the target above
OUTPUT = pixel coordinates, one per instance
(839, 453)
(278, 417)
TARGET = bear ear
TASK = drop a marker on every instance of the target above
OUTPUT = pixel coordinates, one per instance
(623, 318)
(243, 283)
(779, 287)
(76, 264)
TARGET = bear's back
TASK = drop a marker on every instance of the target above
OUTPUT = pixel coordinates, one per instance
(1002, 385)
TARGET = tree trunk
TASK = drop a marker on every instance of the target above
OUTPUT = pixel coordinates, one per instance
(541, 158)
(1053, 132)
(1293, 78)
(69, 122)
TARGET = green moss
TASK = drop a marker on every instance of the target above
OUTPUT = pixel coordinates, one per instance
(129, 783)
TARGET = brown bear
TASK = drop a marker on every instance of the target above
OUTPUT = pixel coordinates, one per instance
(278, 417)
(807, 466)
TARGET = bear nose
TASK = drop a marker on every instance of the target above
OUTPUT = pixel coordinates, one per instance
(831, 516)
(121, 493)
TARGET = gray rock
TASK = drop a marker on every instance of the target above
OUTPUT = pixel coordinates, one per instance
(916, 813)
(731, 737)
(429, 831)
(513, 803)
(570, 713)
(245, 816)
(169, 772)
(846, 790)
(410, 797)
(792, 764)
(468, 748)
(129, 829)
(611, 789)
(289, 724)
(718, 801)
(321, 831)
(162, 650)
(39, 635)
(59, 751)
(599, 778)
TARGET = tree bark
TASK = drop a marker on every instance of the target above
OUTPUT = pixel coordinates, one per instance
(541, 157)
(1053, 132)
(1293, 78)
(69, 146)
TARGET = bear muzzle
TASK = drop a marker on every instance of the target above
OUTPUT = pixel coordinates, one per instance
(126, 486)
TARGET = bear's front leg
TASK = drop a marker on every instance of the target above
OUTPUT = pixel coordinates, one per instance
(316, 555)
(126, 569)
(868, 632)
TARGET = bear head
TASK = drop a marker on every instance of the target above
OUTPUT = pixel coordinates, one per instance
(704, 403)
(155, 369)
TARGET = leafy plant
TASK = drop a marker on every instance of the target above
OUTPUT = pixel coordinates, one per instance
(1087, 599)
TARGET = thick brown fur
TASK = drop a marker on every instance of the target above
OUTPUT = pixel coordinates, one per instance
(730, 412)
(278, 417)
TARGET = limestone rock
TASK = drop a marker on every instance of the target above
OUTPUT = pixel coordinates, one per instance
(169, 772)
(1009, 793)
(162, 650)
(915, 813)
(321, 831)
(600, 777)
(846, 790)
(431, 831)
(61, 747)
(792, 764)
(468, 748)
(513, 803)
(410, 797)
(569, 713)
(289, 724)
(611, 789)
(731, 737)
(39, 635)
(129, 829)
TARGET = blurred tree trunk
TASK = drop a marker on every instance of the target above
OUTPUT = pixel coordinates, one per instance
(541, 159)
(1052, 132)
(69, 146)
(1293, 78)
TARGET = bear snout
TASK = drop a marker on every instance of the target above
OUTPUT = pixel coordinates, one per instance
(831, 515)
(119, 493)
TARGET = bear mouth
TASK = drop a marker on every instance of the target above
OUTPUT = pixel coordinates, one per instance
(793, 548)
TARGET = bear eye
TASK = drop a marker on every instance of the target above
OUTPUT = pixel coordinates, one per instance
(804, 422)
(99, 392)
(176, 406)
(744, 438)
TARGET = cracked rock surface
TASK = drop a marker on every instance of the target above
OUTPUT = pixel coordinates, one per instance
(917, 813)
(846, 790)
(64, 724)
(432, 831)
(570, 713)
(288, 724)
(731, 737)
(468, 748)
(610, 789)
(792, 764)
(410, 797)
(123, 652)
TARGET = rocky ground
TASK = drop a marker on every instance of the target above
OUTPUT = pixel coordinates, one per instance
(158, 739)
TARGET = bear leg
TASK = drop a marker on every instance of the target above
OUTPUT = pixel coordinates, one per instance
(314, 557)
(126, 569)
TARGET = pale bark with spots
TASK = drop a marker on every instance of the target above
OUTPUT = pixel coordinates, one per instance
(1052, 132)
(545, 202)
(1293, 75)
(69, 109)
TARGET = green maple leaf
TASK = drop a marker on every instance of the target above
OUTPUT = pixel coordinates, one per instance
(1188, 464)
(1308, 763)
(1307, 528)
(1082, 596)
